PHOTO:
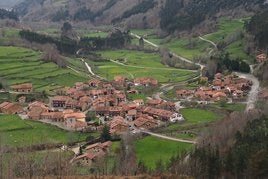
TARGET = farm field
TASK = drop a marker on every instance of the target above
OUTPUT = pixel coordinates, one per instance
(18, 133)
(21, 65)
(139, 64)
(151, 149)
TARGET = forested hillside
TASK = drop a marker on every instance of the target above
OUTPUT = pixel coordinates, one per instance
(169, 15)
(183, 15)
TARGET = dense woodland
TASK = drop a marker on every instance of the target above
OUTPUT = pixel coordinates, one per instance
(258, 26)
(66, 44)
(247, 158)
(181, 15)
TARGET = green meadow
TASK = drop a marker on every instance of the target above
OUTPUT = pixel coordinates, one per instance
(152, 149)
(18, 133)
(139, 64)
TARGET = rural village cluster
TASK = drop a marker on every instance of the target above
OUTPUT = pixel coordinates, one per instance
(108, 100)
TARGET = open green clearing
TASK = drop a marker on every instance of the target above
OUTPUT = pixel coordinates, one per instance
(152, 149)
(21, 65)
(17, 132)
(139, 64)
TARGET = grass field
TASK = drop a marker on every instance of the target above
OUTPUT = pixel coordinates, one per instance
(139, 64)
(20, 65)
(193, 117)
(151, 149)
(17, 132)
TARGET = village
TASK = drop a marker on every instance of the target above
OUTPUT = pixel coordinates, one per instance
(108, 101)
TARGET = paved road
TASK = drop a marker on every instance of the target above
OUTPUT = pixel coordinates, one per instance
(168, 138)
(253, 93)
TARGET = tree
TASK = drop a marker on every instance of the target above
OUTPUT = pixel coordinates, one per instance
(105, 134)
(91, 115)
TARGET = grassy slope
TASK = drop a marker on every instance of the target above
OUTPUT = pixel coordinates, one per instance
(20, 65)
(225, 28)
(17, 132)
(151, 149)
(140, 59)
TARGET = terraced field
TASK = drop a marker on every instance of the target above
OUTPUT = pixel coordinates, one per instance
(20, 65)
(139, 64)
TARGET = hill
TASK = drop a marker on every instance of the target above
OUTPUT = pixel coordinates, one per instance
(169, 15)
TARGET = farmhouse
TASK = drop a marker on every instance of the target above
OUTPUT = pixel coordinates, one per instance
(75, 120)
(59, 101)
(89, 158)
(162, 114)
(52, 116)
(10, 108)
(118, 125)
(23, 88)
(35, 109)
(145, 122)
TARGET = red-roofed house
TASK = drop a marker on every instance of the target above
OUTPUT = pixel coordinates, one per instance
(23, 88)
(59, 101)
(10, 108)
(118, 125)
(89, 158)
(145, 122)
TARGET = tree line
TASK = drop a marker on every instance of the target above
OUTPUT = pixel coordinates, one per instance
(258, 27)
(67, 45)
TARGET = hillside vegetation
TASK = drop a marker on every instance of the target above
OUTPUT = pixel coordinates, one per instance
(170, 15)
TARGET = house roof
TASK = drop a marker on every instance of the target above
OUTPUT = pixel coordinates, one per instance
(76, 115)
(23, 86)
(94, 145)
(132, 112)
(154, 102)
(61, 98)
(143, 120)
(138, 101)
(38, 104)
(118, 120)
